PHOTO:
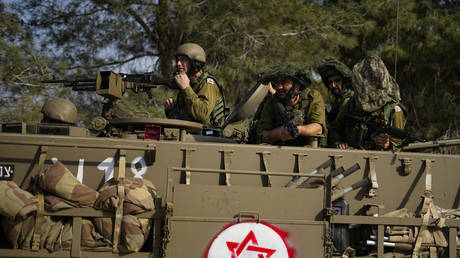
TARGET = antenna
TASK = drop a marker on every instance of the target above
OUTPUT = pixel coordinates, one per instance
(396, 43)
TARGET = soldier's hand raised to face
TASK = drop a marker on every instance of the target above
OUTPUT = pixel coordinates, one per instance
(182, 80)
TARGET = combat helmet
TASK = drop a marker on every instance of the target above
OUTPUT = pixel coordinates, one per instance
(330, 67)
(299, 72)
(193, 51)
(60, 110)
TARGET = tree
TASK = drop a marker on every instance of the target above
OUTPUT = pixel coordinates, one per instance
(20, 69)
(418, 40)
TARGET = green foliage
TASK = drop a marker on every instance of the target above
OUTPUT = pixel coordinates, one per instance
(75, 39)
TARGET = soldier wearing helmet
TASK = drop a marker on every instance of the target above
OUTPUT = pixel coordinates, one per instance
(201, 96)
(59, 111)
(376, 98)
(336, 77)
(295, 112)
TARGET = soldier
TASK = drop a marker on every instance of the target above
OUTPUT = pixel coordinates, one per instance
(295, 112)
(59, 111)
(336, 77)
(201, 97)
(376, 99)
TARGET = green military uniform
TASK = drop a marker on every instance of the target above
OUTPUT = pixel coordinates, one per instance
(357, 135)
(338, 104)
(310, 109)
(377, 99)
(203, 102)
(331, 67)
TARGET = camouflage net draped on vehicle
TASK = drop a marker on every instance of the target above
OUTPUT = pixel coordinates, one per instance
(60, 190)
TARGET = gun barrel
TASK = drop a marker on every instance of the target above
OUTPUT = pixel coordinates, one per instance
(70, 81)
(84, 88)
(149, 78)
(82, 84)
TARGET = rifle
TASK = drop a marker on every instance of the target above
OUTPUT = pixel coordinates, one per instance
(382, 128)
(286, 118)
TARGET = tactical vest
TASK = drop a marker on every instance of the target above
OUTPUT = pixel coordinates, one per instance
(337, 104)
(219, 113)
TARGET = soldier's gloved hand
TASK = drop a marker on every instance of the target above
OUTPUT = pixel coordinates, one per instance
(169, 105)
(382, 140)
(182, 80)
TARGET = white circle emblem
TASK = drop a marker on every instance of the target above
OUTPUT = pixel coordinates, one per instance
(249, 239)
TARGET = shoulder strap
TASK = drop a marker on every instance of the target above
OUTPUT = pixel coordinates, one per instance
(389, 110)
(221, 89)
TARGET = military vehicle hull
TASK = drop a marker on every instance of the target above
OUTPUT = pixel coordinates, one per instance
(206, 189)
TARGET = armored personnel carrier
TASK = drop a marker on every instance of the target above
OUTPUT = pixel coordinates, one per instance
(216, 198)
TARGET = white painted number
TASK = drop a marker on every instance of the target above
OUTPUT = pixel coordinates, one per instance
(138, 167)
(107, 166)
(81, 163)
(138, 173)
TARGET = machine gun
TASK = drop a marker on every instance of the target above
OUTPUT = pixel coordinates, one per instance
(113, 85)
(150, 78)
(382, 128)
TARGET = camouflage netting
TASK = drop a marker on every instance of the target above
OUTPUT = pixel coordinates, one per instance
(373, 85)
(330, 67)
(21, 205)
(301, 72)
(59, 190)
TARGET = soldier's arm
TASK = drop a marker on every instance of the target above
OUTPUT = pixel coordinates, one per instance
(201, 104)
(310, 129)
(315, 122)
(274, 135)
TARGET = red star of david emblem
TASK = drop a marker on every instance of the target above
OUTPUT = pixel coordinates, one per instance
(237, 248)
